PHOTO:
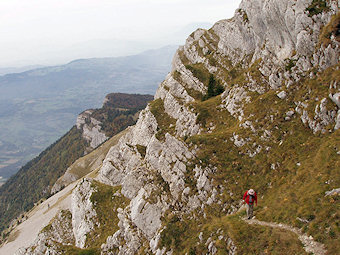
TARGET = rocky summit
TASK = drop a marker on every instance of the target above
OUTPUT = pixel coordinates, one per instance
(253, 102)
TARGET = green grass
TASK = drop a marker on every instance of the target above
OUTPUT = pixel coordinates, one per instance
(106, 205)
(200, 72)
(302, 193)
(244, 15)
(290, 64)
(317, 7)
(72, 250)
(141, 149)
(255, 239)
(182, 236)
(166, 124)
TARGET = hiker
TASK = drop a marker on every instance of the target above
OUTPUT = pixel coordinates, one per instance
(249, 198)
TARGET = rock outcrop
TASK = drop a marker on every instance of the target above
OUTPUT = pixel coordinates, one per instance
(83, 212)
(91, 129)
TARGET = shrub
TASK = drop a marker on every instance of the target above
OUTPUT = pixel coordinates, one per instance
(214, 88)
(316, 7)
(290, 64)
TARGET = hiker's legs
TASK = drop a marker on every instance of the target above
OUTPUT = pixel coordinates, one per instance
(251, 207)
(247, 210)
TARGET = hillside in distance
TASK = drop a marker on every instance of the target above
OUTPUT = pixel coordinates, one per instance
(9, 70)
(94, 126)
(38, 106)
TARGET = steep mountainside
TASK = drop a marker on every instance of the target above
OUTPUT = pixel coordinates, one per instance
(253, 102)
(50, 99)
(37, 178)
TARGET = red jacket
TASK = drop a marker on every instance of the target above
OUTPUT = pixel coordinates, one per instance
(246, 197)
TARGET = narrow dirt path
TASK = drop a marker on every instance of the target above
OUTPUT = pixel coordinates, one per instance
(308, 242)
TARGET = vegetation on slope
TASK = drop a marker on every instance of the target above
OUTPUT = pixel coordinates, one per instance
(107, 200)
(317, 7)
(166, 124)
(331, 29)
(183, 235)
(119, 111)
(291, 178)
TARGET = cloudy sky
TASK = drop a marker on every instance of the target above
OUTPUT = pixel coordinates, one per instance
(53, 31)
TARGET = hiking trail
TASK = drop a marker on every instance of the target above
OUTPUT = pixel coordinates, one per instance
(309, 245)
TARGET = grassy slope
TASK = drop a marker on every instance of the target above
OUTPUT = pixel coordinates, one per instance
(289, 191)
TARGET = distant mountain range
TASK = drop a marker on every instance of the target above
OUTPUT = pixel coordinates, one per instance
(38, 106)
(9, 70)
(100, 47)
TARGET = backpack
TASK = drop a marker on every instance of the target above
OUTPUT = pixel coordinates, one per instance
(251, 199)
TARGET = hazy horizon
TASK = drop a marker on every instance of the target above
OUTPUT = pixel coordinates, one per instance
(50, 32)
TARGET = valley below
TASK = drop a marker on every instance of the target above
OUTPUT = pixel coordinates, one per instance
(50, 99)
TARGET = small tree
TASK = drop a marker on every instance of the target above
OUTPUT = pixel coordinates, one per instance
(211, 86)
(214, 88)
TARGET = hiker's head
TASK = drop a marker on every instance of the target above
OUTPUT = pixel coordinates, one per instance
(251, 192)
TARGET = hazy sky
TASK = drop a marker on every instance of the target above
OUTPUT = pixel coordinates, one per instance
(40, 31)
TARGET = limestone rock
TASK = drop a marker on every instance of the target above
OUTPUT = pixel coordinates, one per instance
(146, 216)
(282, 95)
(234, 101)
(83, 213)
(91, 129)
(333, 192)
(335, 98)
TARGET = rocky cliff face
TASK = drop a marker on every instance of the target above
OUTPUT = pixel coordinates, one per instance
(118, 110)
(91, 129)
(187, 161)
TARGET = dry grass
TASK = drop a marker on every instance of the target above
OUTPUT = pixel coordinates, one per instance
(166, 124)
(331, 29)
(13, 236)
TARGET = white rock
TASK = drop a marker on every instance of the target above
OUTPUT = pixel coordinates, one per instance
(146, 216)
(83, 212)
(282, 95)
(91, 129)
(335, 98)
